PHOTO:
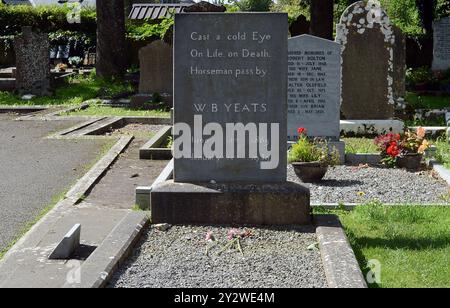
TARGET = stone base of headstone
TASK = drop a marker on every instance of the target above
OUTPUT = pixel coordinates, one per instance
(138, 101)
(255, 204)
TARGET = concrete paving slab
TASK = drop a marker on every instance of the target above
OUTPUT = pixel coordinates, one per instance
(33, 169)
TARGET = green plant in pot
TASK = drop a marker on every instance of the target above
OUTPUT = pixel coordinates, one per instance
(311, 158)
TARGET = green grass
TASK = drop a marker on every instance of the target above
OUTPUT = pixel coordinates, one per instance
(74, 92)
(427, 101)
(443, 152)
(55, 199)
(96, 110)
(360, 146)
(412, 243)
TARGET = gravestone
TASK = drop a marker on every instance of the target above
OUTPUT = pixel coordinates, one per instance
(230, 123)
(156, 67)
(314, 87)
(299, 26)
(32, 63)
(441, 49)
(367, 40)
(156, 73)
(230, 76)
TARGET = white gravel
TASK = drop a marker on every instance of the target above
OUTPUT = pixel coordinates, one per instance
(273, 257)
(360, 184)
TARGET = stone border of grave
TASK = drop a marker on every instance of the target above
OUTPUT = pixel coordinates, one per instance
(153, 150)
(341, 267)
(27, 110)
(441, 170)
(98, 126)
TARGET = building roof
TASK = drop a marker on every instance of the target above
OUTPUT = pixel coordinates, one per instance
(156, 10)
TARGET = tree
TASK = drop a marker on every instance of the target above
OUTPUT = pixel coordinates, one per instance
(254, 5)
(111, 57)
(426, 12)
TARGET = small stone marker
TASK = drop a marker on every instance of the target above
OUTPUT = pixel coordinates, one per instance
(32, 63)
(367, 40)
(441, 50)
(314, 87)
(68, 244)
(230, 97)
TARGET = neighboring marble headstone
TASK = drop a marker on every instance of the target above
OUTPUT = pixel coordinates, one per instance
(441, 50)
(156, 67)
(314, 87)
(230, 97)
(367, 40)
(32, 62)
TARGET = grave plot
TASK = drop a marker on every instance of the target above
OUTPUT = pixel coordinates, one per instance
(190, 256)
(361, 184)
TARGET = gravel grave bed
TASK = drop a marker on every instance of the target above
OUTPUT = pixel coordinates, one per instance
(272, 257)
(360, 184)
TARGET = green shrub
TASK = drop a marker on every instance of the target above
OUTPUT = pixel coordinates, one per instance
(147, 29)
(44, 18)
(312, 151)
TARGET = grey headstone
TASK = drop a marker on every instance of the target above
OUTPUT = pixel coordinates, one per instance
(32, 62)
(156, 67)
(215, 72)
(441, 50)
(367, 40)
(314, 87)
(68, 244)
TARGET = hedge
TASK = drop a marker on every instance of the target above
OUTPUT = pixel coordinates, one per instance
(44, 18)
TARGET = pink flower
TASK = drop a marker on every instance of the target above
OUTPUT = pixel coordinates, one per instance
(209, 237)
(233, 233)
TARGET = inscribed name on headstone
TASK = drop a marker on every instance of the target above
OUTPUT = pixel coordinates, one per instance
(230, 97)
(441, 50)
(314, 87)
(367, 40)
(156, 67)
(32, 62)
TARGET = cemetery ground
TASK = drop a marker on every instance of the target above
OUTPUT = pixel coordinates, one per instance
(412, 248)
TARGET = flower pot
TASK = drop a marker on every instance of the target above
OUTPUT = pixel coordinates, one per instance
(310, 172)
(410, 161)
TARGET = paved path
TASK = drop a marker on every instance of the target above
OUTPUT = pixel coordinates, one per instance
(117, 188)
(33, 170)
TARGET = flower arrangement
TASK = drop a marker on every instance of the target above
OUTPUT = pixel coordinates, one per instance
(395, 146)
(61, 67)
(317, 150)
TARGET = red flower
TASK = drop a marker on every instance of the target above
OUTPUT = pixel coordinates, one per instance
(301, 131)
(393, 150)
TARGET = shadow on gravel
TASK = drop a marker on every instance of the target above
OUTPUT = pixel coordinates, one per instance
(339, 183)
